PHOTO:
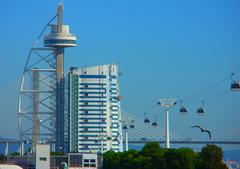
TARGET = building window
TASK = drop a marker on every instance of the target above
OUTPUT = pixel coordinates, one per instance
(86, 160)
(89, 162)
(92, 160)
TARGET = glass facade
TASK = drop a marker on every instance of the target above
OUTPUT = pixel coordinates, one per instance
(59, 41)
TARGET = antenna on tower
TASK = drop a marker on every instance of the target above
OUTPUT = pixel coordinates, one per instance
(61, 2)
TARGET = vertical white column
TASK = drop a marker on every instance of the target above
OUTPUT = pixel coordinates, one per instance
(6, 149)
(102, 145)
(126, 140)
(21, 149)
(167, 129)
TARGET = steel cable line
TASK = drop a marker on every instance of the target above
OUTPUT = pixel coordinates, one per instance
(227, 133)
(40, 35)
(209, 88)
(206, 89)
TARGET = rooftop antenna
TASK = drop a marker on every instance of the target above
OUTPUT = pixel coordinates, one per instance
(60, 18)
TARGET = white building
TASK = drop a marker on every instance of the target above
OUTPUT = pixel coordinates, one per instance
(94, 107)
(42, 156)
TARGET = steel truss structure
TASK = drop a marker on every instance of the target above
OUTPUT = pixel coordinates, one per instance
(36, 109)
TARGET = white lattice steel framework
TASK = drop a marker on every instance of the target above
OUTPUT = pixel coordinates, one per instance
(36, 111)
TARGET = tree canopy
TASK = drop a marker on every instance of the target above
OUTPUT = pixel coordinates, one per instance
(152, 156)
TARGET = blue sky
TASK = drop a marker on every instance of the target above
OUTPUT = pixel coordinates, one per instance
(166, 49)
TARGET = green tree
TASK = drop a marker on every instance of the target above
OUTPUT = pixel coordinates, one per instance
(187, 158)
(150, 148)
(172, 159)
(15, 154)
(158, 160)
(111, 160)
(3, 158)
(142, 162)
(152, 156)
(211, 158)
(127, 159)
(156, 154)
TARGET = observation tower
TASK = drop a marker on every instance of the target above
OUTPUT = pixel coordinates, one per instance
(59, 39)
(42, 115)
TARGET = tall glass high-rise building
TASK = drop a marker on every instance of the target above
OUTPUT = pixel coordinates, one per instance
(94, 109)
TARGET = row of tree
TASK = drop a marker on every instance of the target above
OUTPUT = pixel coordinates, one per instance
(152, 156)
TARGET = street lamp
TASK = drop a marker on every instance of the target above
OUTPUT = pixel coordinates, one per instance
(167, 103)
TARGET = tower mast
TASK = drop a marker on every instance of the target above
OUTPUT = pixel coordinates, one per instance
(59, 38)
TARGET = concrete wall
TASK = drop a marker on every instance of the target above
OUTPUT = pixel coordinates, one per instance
(43, 156)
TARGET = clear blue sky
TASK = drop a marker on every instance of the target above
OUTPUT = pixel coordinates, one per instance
(165, 49)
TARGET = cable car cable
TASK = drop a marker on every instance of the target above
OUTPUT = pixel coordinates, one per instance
(40, 35)
(207, 89)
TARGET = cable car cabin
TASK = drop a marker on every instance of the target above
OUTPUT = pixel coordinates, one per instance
(132, 126)
(235, 86)
(200, 111)
(124, 127)
(183, 110)
(154, 124)
(146, 120)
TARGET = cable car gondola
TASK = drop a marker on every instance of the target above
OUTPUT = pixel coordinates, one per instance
(146, 120)
(200, 110)
(183, 110)
(154, 123)
(235, 86)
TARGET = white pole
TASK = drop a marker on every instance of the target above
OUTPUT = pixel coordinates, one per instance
(126, 140)
(6, 149)
(167, 130)
(102, 145)
(21, 152)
